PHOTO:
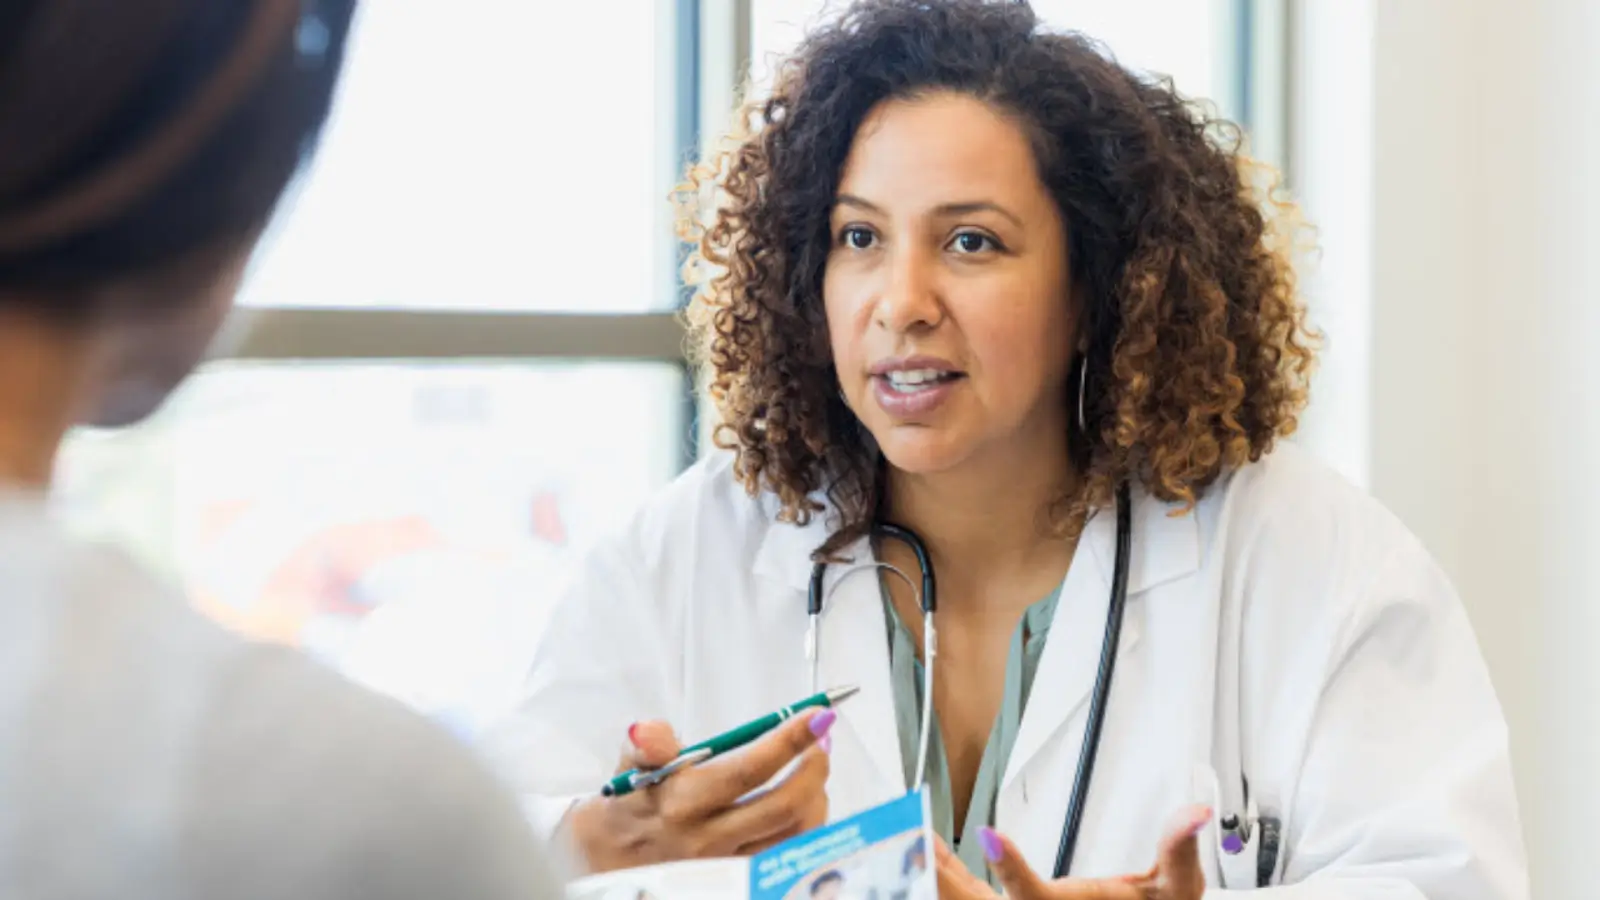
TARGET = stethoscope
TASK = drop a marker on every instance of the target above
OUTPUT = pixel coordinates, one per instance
(928, 600)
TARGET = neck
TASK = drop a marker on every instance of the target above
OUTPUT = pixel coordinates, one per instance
(42, 371)
(990, 515)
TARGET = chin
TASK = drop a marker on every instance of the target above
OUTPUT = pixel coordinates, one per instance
(926, 453)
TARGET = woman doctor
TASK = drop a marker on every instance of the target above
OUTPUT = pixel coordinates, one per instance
(968, 277)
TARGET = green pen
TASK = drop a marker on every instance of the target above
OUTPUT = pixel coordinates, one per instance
(633, 779)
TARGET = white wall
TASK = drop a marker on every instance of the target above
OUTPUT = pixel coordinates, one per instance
(1475, 402)
(1331, 168)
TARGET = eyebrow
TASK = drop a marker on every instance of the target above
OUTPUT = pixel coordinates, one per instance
(944, 209)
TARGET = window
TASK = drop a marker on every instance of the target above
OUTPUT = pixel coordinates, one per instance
(482, 156)
(395, 519)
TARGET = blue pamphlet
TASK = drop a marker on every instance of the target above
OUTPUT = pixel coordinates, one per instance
(884, 853)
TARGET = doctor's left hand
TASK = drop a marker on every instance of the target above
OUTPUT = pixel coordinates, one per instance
(1176, 875)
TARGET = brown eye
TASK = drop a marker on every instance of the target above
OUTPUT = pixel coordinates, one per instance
(857, 238)
(970, 242)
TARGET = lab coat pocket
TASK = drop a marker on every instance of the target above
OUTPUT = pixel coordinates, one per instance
(1231, 842)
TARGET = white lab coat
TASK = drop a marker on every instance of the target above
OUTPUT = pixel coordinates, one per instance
(1364, 717)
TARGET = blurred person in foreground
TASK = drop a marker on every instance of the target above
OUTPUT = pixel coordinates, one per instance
(144, 752)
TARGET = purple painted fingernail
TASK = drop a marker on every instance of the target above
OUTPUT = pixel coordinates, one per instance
(993, 850)
(823, 722)
(826, 743)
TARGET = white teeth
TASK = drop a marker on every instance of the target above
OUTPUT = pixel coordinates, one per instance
(914, 377)
(910, 381)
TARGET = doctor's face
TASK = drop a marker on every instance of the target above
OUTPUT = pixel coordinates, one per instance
(946, 288)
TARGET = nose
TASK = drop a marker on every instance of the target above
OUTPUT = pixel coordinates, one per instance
(910, 299)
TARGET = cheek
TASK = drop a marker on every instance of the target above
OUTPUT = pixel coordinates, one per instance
(841, 303)
(1024, 347)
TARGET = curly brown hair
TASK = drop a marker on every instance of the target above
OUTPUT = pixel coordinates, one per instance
(1198, 355)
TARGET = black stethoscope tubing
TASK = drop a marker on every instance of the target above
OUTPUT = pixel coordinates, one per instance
(1108, 654)
(1102, 686)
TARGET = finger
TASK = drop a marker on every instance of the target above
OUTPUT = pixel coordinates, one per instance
(944, 856)
(812, 787)
(1177, 872)
(722, 781)
(651, 745)
(783, 809)
(955, 881)
(1103, 889)
(815, 816)
(767, 843)
(1178, 859)
(648, 745)
(1020, 881)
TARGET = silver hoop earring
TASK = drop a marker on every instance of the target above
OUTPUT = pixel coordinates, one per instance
(1083, 385)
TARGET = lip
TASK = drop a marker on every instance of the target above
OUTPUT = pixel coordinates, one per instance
(910, 363)
(913, 404)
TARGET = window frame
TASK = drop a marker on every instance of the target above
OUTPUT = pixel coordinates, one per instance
(1264, 82)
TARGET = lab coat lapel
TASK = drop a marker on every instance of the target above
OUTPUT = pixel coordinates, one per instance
(1164, 548)
(1071, 658)
(852, 645)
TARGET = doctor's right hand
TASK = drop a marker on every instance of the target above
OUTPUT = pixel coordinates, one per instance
(709, 810)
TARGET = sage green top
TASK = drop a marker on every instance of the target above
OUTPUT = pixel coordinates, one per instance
(1022, 662)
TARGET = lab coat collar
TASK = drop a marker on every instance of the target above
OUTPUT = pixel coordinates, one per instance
(785, 551)
(1166, 542)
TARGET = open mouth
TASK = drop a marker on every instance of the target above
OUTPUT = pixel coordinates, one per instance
(915, 381)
